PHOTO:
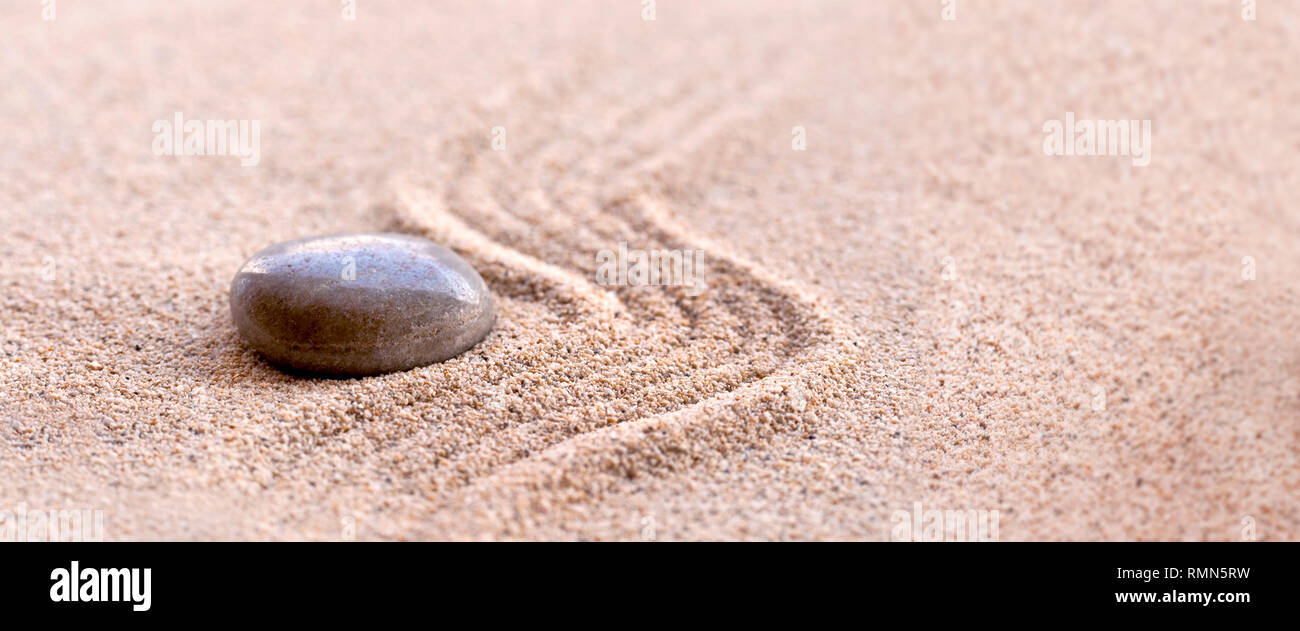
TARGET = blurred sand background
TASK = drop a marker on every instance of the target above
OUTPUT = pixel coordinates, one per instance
(831, 375)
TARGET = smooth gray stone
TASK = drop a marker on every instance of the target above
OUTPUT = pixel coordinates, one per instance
(359, 304)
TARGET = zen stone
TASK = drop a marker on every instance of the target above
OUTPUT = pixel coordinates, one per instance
(359, 304)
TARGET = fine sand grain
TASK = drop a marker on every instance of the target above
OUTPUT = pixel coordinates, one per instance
(1089, 361)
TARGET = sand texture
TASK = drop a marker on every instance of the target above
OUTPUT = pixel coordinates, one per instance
(919, 307)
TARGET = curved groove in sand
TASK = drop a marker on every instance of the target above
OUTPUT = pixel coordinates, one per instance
(427, 214)
(715, 395)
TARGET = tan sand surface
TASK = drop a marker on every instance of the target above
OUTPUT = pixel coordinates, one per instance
(1089, 361)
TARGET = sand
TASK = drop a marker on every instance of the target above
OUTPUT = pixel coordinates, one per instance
(919, 307)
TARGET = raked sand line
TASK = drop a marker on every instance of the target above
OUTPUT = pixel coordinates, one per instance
(505, 267)
(586, 467)
(744, 411)
(621, 319)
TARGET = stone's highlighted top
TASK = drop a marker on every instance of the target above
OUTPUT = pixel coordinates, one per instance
(359, 304)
